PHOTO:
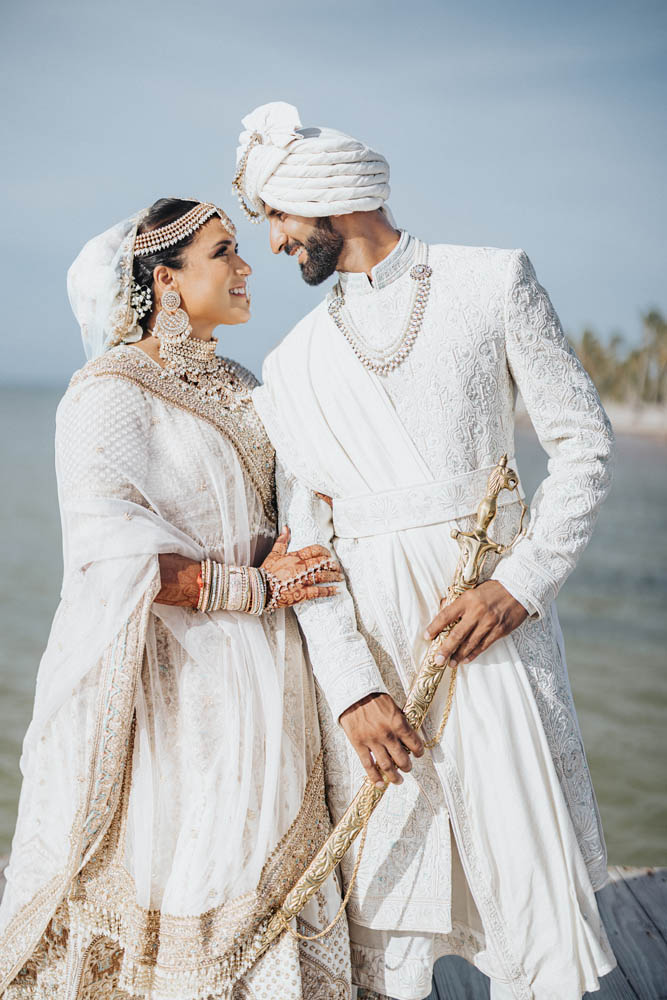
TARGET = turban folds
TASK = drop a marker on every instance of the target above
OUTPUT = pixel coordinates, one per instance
(311, 172)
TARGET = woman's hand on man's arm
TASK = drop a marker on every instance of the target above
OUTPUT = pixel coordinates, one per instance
(299, 575)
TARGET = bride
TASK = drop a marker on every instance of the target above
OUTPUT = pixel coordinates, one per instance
(172, 773)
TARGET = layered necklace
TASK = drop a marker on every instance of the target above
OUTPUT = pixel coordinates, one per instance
(195, 362)
(192, 360)
(387, 359)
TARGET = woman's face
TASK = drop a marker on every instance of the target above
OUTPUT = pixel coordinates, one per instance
(212, 280)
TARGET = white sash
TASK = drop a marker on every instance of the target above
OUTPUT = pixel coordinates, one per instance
(414, 506)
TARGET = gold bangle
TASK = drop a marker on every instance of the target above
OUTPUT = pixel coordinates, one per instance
(206, 589)
(257, 589)
(234, 598)
(200, 602)
(245, 590)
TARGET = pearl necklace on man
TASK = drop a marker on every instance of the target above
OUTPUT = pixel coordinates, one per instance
(387, 359)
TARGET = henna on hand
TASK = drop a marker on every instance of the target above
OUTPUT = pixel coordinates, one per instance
(178, 578)
(294, 577)
(298, 575)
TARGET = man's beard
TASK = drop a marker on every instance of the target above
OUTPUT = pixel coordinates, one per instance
(323, 249)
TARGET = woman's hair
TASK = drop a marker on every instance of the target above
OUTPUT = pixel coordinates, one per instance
(161, 213)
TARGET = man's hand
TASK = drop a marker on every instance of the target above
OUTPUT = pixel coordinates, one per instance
(487, 613)
(376, 726)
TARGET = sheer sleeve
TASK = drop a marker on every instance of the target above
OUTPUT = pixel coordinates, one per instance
(573, 429)
(342, 662)
(102, 440)
(103, 461)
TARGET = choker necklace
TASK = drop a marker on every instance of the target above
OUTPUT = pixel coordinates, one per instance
(386, 360)
(195, 362)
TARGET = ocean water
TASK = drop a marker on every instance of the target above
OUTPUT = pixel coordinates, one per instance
(613, 611)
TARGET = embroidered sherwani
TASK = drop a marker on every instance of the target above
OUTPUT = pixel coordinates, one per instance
(492, 847)
(173, 783)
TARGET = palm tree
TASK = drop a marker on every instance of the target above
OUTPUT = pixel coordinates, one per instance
(629, 374)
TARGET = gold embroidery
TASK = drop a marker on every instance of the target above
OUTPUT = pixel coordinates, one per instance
(214, 949)
(151, 951)
(236, 418)
(122, 665)
(59, 967)
(324, 963)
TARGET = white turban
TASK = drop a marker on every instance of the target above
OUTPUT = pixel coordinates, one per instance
(306, 171)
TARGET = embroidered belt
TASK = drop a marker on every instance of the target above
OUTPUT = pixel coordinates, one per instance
(414, 506)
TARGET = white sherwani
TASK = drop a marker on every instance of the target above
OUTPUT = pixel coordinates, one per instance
(405, 458)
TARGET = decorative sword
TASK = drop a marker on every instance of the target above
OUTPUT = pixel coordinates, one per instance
(475, 546)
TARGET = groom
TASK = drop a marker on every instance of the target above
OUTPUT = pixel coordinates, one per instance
(388, 404)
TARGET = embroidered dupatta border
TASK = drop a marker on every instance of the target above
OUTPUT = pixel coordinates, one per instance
(97, 895)
(121, 668)
(247, 435)
(210, 951)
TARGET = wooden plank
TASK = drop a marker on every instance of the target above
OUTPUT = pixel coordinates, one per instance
(640, 949)
(456, 979)
(614, 987)
(649, 887)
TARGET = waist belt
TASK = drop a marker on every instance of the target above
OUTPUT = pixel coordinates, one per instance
(414, 506)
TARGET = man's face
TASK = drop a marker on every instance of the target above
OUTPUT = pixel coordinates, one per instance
(314, 242)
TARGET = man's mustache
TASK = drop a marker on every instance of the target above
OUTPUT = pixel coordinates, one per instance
(289, 247)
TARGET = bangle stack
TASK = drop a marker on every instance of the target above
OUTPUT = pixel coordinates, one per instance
(231, 588)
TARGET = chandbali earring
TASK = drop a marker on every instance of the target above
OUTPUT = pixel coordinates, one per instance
(172, 324)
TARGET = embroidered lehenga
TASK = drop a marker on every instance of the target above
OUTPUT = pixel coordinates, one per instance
(172, 771)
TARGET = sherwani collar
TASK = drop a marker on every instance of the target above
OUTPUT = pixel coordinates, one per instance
(394, 265)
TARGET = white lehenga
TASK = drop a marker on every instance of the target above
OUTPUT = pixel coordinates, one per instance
(173, 784)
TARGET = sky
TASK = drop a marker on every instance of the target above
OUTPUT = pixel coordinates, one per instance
(522, 124)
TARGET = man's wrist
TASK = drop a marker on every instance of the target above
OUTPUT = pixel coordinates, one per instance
(532, 609)
(353, 686)
(362, 701)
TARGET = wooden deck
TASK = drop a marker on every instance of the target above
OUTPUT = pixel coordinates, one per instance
(634, 910)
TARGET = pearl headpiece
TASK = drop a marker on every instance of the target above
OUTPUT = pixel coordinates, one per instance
(166, 236)
(238, 181)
